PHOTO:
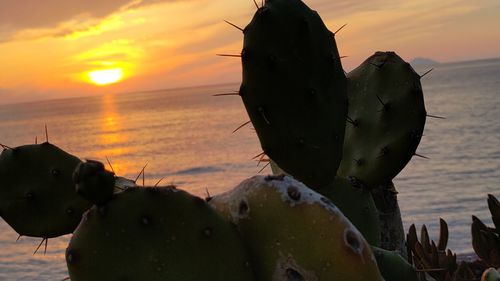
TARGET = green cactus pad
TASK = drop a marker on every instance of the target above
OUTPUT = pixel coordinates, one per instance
(393, 267)
(294, 233)
(37, 193)
(357, 204)
(386, 118)
(156, 234)
(294, 90)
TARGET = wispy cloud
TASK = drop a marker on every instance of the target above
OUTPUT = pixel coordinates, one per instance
(49, 13)
(34, 19)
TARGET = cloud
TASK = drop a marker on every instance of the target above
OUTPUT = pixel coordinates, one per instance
(346, 7)
(33, 18)
(47, 13)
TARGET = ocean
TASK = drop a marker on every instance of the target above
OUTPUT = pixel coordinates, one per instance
(186, 138)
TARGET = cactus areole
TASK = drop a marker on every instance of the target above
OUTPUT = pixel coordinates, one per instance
(294, 90)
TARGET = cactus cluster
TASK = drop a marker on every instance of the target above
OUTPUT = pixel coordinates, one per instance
(341, 140)
(254, 232)
(333, 133)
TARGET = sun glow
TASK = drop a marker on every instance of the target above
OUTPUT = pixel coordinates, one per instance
(106, 76)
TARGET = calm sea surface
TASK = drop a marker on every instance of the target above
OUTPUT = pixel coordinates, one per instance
(186, 137)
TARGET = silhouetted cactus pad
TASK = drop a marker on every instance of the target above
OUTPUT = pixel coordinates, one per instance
(156, 233)
(37, 193)
(294, 90)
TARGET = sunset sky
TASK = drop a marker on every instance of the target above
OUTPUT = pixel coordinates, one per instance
(65, 48)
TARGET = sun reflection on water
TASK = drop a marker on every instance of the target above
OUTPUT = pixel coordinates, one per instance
(112, 137)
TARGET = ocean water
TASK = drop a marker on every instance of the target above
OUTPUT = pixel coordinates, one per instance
(185, 136)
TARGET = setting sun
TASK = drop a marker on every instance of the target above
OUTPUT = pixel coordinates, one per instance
(106, 76)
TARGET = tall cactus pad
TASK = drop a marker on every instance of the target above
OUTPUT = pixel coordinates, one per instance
(156, 234)
(386, 118)
(294, 90)
(294, 233)
(37, 193)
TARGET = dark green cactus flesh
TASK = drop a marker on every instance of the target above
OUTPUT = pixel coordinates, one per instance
(393, 267)
(37, 193)
(93, 182)
(357, 204)
(294, 90)
(386, 118)
(156, 234)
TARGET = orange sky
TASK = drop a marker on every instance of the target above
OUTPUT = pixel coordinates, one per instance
(47, 48)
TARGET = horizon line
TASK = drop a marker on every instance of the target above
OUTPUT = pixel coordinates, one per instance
(211, 85)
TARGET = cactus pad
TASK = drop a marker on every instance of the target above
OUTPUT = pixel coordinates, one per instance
(156, 234)
(294, 233)
(294, 90)
(386, 118)
(37, 193)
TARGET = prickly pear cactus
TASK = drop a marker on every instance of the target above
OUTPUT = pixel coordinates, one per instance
(156, 234)
(386, 118)
(37, 193)
(294, 233)
(294, 90)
